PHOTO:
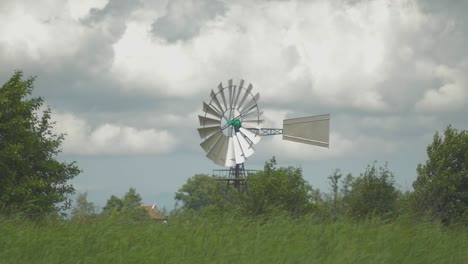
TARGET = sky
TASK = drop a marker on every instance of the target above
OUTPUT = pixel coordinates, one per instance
(125, 80)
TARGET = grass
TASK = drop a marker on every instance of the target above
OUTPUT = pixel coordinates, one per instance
(228, 240)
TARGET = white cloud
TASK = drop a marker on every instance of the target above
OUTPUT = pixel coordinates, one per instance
(387, 123)
(110, 139)
(80, 8)
(451, 96)
(144, 64)
(39, 32)
(340, 146)
(273, 118)
(312, 50)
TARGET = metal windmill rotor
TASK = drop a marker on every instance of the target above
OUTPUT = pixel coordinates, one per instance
(231, 125)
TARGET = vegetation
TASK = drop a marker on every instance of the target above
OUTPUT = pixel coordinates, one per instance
(373, 193)
(83, 209)
(271, 192)
(198, 192)
(32, 182)
(125, 208)
(231, 240)
(441, 189)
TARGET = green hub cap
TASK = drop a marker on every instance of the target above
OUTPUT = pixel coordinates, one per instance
(235, 123)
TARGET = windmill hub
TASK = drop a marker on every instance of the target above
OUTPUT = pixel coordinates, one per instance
(236, 123)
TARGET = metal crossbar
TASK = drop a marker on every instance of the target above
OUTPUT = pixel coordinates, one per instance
(267, 131)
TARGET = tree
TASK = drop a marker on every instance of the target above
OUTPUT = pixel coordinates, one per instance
(273, 191)
(334, 184)
(441, 189)
(32, 180)
(126, 207)
(198, 192)
(113, 206)
(373, 193)
(278, 191)
(83, 209)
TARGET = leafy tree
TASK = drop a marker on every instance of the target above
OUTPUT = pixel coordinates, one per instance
(373, 193)
(271, 192)
(198, 192)
(334, 184)
(32, 180)
(113, 206)
(346, 182)
(278, 191)
(83, 209)
(125, 207)
(441, 189)
(131, 199)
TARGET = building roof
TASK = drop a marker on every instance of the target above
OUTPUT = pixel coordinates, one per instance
(153, 212)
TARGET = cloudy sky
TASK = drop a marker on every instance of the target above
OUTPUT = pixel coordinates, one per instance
(125, 79)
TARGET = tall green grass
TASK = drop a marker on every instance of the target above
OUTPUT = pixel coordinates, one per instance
(231, 240)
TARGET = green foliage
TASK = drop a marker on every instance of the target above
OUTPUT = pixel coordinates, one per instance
(198, 192)
(83, 210)
(334, 184)
(113, 206)
(373, 193)
(32, 181)
(441, 189)
(126, 208)
(276, 191)
(231, 240)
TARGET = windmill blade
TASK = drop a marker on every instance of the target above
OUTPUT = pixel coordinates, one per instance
(221, 92)
(230, 155)
(218, 153)
(239, 155)
(239, 90)
(233, 98)
(210, 110)
(247, 149)
(222, 154)
(247, 92)
(313, 130)
(212, 154)
(258, 121)
(230, 88)
(252, 123)
(216, 101)
(255, 114)
(208, 144)
(250, 104)
(254, 138)
(206, 121)
(208, 131)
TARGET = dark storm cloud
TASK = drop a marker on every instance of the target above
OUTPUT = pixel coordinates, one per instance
(114, 8)
(184, 18)
(113, 16)
(450, 26)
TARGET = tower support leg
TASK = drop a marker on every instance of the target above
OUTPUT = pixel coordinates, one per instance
(237, 178)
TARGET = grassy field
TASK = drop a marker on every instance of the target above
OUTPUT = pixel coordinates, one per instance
(231, 241)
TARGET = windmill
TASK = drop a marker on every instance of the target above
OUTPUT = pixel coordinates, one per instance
(231, 125)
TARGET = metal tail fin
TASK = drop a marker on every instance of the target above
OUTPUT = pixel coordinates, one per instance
(313, 130)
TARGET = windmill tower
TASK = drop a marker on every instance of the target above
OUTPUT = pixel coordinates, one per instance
(231, 125)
